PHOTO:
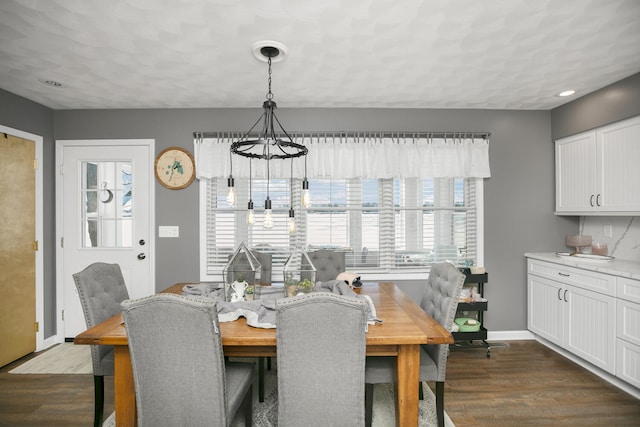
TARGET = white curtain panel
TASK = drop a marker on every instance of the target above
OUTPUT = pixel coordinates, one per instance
(368, 156)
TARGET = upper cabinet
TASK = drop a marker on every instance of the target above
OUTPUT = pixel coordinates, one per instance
(598, 172)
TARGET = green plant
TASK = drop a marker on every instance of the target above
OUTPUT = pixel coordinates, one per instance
(305, 284)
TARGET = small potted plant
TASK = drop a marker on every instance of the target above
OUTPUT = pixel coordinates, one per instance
(305, 286)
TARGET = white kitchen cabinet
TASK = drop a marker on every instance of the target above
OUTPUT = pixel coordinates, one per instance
(628, 331)
(597, 171)
(565, 310)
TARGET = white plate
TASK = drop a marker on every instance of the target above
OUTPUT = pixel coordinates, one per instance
(585, 257)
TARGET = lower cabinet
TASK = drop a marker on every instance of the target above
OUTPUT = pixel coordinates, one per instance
(628, 331)
(579, 320)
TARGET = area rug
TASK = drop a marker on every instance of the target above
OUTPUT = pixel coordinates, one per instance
(64, 358)
(67, 358)
(266, 413)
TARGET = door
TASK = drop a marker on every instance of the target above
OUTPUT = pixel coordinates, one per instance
(107, 217)
(619, 177)
(545, 308)
(576, 173)
(17, 248)
(590, 327)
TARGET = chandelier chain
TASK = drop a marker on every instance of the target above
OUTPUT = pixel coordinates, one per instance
(269, 94)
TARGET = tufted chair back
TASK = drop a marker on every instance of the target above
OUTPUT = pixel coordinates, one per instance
(440, 299)
(101, 289)
(328, 264)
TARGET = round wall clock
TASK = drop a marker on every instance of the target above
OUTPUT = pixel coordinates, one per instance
(175, 168)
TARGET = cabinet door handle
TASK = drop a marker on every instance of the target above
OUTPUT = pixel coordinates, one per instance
(598, 200)
(564, 274)
(591, 201)
(565, 296)
(559, 297)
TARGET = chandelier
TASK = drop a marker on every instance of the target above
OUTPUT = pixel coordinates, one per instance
(272, 142)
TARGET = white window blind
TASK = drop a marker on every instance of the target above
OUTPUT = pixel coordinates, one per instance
(383, 226)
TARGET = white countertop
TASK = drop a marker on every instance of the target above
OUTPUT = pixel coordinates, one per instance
(623, 268)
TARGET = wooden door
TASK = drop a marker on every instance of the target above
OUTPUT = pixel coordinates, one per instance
(17, 248)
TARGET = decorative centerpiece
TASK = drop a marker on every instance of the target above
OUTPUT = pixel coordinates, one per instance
(241, 274)
(299, 273)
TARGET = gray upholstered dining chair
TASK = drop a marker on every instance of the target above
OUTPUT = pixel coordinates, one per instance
(440, 300)
(328, 264)
(101, 289)
(321, 347)
(179, 372)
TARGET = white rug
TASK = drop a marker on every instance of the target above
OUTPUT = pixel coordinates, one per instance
(67, 358)
(64, 358)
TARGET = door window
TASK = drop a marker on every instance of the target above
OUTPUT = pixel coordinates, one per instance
(107, 204)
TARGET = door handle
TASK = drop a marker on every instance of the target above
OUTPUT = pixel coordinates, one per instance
(559, 297)
(565, 296)
(591, 201)
(141, 242)
(598, 200)
(141, 256)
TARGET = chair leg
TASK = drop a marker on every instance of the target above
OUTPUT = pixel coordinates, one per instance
(440, 402)
(368, 404)
(269, 363)
(98, 392)
(261, 379)
(247, 408)
(420, 393)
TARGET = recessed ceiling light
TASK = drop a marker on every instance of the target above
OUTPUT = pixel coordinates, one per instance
(49, 82)
(567, 93)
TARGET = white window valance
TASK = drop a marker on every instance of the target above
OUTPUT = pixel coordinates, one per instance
(374, 156)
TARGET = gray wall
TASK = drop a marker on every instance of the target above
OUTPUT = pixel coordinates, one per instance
(19, 113)
(612, 103)
(519, 197)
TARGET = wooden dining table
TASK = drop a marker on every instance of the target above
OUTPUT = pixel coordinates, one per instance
(404, 327)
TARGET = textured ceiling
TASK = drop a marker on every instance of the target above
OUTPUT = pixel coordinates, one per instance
(495, 54)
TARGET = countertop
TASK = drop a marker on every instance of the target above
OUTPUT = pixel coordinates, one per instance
(622, 268)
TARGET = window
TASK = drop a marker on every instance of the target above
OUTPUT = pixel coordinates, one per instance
(383, 225)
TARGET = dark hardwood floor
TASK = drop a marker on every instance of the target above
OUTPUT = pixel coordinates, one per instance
(523, 384)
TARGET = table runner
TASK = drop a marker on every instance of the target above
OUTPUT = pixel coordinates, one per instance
(261, 313)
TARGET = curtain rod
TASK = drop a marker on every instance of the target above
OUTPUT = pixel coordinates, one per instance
(364, 134)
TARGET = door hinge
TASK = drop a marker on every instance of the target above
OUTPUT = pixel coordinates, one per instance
(36, 327)
(61, 168)
(35, 245)
(63, 314)
(62, 242)
(35, 164)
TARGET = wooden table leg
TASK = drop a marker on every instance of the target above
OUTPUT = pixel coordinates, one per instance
(123, 388)
(407, 388)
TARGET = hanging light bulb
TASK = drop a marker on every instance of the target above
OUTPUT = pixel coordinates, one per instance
(268, 215)
(232, 199)
(306, 195)
(251, 218)
(292, 221)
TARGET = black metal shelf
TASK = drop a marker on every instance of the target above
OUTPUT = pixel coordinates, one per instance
(476, 306)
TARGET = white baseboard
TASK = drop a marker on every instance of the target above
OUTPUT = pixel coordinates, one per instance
(509, 335)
